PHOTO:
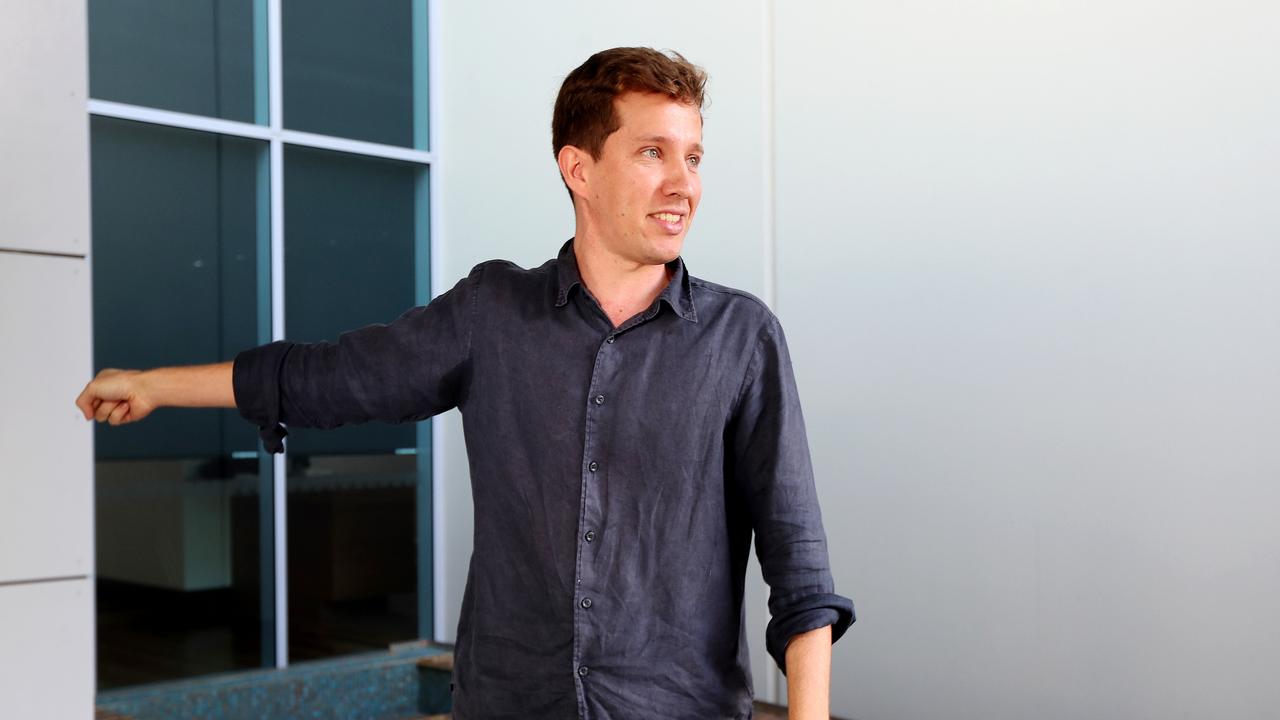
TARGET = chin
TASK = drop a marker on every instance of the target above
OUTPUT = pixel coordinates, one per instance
(664, 252)
(663, 259)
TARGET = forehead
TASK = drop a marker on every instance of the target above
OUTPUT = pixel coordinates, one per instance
(642, 114)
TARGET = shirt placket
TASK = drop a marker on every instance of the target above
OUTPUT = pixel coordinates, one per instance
(589, 585)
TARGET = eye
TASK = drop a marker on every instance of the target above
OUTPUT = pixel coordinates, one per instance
(650, 152)
(695, 160)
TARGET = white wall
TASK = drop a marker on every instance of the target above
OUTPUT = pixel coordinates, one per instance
(1029, 262)
(502, 64)
(1028, 259)
(46, 451)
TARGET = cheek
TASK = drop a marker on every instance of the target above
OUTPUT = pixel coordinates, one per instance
(632, 197)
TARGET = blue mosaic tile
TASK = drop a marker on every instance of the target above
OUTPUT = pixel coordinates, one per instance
(373, 686)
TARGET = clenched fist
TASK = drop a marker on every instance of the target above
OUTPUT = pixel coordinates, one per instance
(116, 397)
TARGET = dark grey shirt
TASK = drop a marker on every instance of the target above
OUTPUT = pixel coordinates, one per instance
(617, 474)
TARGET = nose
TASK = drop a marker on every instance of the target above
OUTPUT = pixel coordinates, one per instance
(680, 178)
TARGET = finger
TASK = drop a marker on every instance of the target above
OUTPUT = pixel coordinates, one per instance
(104, 410)
(85, 402)
(119, 414)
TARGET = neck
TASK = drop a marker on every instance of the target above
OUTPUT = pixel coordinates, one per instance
(622, 287)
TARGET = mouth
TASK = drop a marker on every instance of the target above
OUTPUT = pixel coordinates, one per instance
(670, 222)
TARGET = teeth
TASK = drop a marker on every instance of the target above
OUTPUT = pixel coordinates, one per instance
(667, 217)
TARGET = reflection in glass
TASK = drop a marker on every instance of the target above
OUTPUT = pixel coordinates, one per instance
(205, 57)
(353, 237)
(350, 70)
(352, 553)
(182, 499)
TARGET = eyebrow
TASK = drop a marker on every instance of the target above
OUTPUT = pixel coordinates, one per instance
(663, 139)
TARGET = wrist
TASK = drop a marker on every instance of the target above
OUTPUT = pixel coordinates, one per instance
(148, 386)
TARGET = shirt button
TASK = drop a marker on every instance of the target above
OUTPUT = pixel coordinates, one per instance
(591, 535)
(586, 603)
(582, 671)
(599, 399)
(609, 339)
(594, 466)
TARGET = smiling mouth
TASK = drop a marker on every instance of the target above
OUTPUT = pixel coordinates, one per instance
(671, 223)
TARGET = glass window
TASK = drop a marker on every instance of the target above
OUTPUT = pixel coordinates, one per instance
(204, 57)
(183, 516)
(183, 242)
(350, 71)
(352, 243)
(349, 261)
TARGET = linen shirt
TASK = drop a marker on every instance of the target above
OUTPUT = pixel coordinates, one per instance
(618, 475)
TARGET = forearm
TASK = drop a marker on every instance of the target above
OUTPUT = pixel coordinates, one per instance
(809, 675)
(191, 385)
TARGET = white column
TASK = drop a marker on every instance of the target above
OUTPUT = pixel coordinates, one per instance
(46, 448)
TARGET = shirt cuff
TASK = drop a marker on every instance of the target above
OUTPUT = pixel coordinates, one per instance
(255, 380)
(811, 613)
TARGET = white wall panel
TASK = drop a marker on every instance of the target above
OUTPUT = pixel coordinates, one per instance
(46, 651)
(502, 195)
(44, 128)
(1028, 258)
(46, 446)
(46, 451)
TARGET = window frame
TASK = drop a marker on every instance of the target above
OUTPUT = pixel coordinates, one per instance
(269, 103)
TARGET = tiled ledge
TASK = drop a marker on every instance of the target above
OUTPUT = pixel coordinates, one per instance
(390, 685)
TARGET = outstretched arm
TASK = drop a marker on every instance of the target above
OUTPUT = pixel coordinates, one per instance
(409, 369)
(123, 396)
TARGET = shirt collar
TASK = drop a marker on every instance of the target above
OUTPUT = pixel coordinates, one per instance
(678, 293)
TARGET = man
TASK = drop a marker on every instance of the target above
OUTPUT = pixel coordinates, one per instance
(628, 427)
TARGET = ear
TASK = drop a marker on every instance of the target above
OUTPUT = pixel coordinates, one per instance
(575, 165)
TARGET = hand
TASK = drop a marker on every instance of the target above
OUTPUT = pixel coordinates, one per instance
(115, 397)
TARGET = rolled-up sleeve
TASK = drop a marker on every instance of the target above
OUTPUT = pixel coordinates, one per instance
(773, 467)
(410, 369)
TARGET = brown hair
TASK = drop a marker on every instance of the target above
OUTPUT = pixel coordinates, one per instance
(584, 115)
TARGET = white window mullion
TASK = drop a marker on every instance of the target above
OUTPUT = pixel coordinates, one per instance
(437, 283)
(155, 116)
(272, 131)
(275, 81)
(355, 147)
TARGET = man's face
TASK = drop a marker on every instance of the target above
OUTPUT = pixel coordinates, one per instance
(645, 188)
